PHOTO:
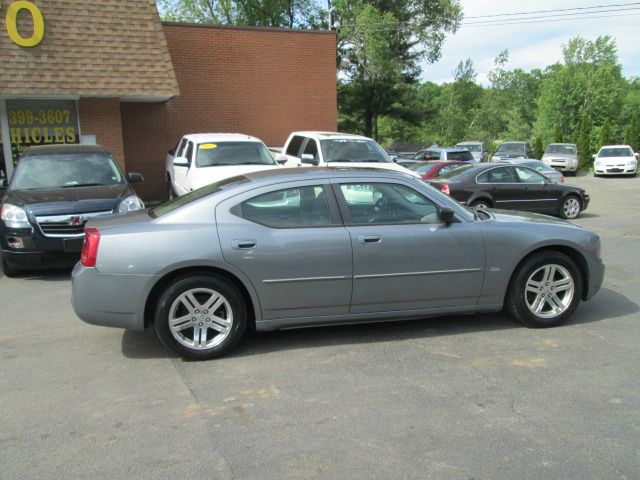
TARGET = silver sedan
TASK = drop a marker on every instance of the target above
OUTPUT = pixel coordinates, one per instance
(303, 247)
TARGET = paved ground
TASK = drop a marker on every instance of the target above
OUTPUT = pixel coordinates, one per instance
(450, 398)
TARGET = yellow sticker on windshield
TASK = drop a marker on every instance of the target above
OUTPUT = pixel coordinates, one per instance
(207, 146)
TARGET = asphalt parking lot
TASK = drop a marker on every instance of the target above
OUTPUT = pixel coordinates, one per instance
(460, 397)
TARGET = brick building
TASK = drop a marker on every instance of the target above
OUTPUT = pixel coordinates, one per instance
(111, 72)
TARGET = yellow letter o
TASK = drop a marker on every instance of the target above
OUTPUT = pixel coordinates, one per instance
(12, 26)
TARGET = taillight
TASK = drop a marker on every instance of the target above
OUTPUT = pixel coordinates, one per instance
(90, 247)
(445, 189)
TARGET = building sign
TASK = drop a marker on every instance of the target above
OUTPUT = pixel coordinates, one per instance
(41, 122)
(12, 23)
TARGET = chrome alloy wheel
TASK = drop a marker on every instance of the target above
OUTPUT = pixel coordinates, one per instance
(571, 207)
(200, 318)
(549, 291)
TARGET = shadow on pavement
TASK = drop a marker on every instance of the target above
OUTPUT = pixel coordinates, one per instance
(607, 304)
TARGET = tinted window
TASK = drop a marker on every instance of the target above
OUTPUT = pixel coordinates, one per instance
(518, 148)
(448, 168)
(472, 147)
(497, 175)
(353, 150)
(311, 148)
(64, 171)
(456, 171)
(374, 203)
(526, 175)
(233, 153)
(422, 167)
(294, 146)
(291, 208)
(464, 156)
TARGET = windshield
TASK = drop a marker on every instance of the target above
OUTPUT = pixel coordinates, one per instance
(197, 194)
(422, 167)
(464, 155)
(471, 147)
(616, 152)
(511, 148)
(565, 149)
(353, 150)
(233, 153)
(538, 166)
(456, 171)
(66, 170)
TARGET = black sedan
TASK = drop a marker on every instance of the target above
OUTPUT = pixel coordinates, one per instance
(512, 187)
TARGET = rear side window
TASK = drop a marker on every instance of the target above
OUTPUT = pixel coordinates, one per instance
(497, 175)
(291, 208)
(464, 156)
(294, 146)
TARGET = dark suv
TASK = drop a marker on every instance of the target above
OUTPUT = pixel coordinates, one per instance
(53, 192)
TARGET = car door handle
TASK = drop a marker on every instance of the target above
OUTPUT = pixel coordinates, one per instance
(244, 244)
(369, 238)
(494, 189)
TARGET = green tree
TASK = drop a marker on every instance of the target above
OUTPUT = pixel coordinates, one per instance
(557, 134)
(632, 134)
(605, 134)
(538, 148)
(380, 47)
(584, 142)
(264, 13)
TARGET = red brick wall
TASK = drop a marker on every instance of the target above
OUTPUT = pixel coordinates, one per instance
(101, 117)
(262, 82)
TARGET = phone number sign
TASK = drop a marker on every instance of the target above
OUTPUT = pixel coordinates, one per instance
(41, 122)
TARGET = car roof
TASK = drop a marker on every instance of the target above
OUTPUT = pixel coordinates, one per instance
(474, 142)
(220, 137)
(327, 135)
(560, 143)
(445, 149)
(64, 149)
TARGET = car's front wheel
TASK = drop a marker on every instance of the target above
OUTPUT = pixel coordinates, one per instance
(570, 208)
(201, 317)
(8, 270)
(545, 290)
(171, 193)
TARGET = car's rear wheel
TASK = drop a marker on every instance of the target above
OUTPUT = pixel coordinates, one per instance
(481, 205)
(571, 207)
(545, 290)
(171, 193)
(201, 317)
(7, 269)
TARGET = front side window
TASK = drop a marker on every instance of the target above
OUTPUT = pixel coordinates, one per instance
(64, 171)
(188, 152)
(387, 203)
(311, 148)
(291, 208)
(527, 175)
(294, 145)
(497, 175)
(233, 153)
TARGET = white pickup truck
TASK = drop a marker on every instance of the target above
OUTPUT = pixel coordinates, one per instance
(337, 149)
(200, 159)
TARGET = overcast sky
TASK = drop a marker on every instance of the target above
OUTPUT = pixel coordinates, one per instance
(535, 45)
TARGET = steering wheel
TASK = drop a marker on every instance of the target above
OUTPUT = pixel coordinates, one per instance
(379, 208)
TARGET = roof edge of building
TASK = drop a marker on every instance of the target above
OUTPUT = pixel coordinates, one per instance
(247, 27)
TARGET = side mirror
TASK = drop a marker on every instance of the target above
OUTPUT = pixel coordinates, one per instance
(4, 183)
(594, 156)
(637, 154)
(180, 162)
(135, 177)
(446, 215)
(281, 159)
(309, 159)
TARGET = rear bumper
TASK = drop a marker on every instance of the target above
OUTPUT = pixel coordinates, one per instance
(110, 300)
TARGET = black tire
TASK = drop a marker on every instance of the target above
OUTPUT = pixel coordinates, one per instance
(171, 193)
(7, 269)
(518, 297)
(481, 204)
(570, 207)
(170, 305)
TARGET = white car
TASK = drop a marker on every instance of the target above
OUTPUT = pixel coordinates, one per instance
(615, 160)
(203, 158)
(330, 149)
(562, 157)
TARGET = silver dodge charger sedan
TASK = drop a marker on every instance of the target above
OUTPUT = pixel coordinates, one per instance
(322, 246)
